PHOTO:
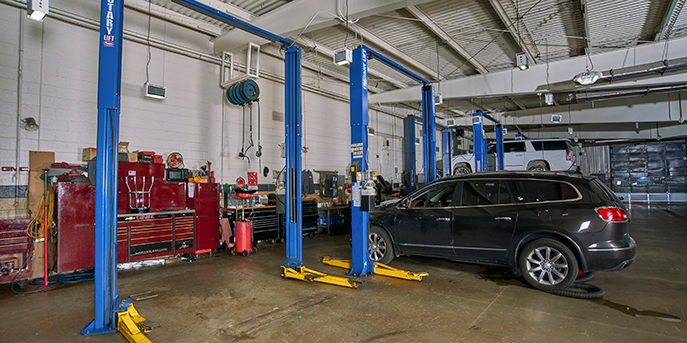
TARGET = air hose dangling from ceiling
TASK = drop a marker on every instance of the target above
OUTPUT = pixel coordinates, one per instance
(242, 94)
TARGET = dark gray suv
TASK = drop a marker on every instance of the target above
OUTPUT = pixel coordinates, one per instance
(546, 224)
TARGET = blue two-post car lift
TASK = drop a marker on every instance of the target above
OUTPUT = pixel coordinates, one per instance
(111, 314)
(480, 146)
(360, 263)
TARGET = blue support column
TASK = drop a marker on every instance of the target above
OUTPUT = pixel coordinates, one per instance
(109, 88)
(294, 206)
(499, 146)
(480, 147)
(409, 169)
(447, 150)
(360, 258)
(429, 130)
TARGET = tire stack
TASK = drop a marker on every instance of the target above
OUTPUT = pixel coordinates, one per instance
(243, 92)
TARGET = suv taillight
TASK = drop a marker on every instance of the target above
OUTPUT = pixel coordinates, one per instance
(567, 155)
(612, 214)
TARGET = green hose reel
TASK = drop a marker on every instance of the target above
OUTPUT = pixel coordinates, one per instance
(243, 92)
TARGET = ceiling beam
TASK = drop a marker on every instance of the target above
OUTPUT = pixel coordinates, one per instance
(329, 53)
(173, 17)
(510, 82)
(585, 21)
(669, 19)
(229, 9)
(291, 19)
(517, 102)
(427, 21)
(512, 29)
(653, 109)
(627, 131)
(387, 48)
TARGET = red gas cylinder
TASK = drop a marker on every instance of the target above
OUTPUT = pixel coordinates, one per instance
(243, 240)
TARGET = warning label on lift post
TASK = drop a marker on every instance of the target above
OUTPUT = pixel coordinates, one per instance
(357, 150)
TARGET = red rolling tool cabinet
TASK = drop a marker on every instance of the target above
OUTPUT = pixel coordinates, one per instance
(14, 249)
(170, 217)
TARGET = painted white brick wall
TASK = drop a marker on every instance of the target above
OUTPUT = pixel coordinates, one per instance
(60, 91)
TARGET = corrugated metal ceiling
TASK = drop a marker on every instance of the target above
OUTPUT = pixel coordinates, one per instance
(551, 29)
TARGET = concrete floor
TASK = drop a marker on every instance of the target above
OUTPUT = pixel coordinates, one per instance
(226, 298)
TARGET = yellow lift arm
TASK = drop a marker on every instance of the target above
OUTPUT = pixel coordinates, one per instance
(305, 274)
(380, 269)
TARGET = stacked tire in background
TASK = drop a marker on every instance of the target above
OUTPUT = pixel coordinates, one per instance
(649, 168)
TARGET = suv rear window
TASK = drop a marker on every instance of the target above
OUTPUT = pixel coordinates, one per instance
(514, 147)
(550, 145)
(555, 145)
(538, 191)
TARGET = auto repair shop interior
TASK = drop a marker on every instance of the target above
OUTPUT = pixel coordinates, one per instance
(343, 170)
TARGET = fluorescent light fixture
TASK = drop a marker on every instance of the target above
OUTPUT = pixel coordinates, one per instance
(438, 99)
(570, 130)
(154, 91)
(37, 9)
(417, 141)
(588, 77)
(548, 97)
(451, 123)
(556, 118)
(521, 61)
(343, 56)
(370, 131)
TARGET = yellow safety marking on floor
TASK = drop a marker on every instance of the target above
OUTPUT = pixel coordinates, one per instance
(129, 324)
(305, 274)
(380, 269)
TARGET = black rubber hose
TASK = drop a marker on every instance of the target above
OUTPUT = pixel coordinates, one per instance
(589, 291)
(585, 278)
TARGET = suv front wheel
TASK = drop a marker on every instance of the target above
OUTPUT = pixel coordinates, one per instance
(548, 265)
(379, 245)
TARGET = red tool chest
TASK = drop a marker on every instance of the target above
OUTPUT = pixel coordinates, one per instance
(14, 248)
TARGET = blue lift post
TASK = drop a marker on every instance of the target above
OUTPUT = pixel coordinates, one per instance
(109, 88)
(447, 150)
(293, 265)
(409, 168)
(480, 146)
(360, 260)
(361, 263)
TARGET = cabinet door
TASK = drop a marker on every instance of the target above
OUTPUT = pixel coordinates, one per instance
(206, 205)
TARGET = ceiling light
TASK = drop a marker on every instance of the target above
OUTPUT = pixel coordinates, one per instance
(548, 97)
(154, 91)
(37, 9)
(370, 131)
(521, 61)
(343, 56)
(588, 77)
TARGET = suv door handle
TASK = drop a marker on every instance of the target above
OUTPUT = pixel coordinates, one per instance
(503, 219)
(443, 219)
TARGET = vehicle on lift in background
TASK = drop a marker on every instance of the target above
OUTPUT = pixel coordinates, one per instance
(523, 154)
(548, 225)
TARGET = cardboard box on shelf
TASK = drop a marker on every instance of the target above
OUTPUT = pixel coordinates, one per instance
(88, 154)
(133, 156)
(123, 147)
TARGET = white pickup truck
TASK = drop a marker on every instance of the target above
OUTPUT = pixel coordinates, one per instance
(525, 154)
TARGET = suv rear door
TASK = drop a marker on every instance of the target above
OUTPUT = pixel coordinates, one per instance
(484, 221)
(514, 155)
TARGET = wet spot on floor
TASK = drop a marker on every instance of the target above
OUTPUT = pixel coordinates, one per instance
(637, 313)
